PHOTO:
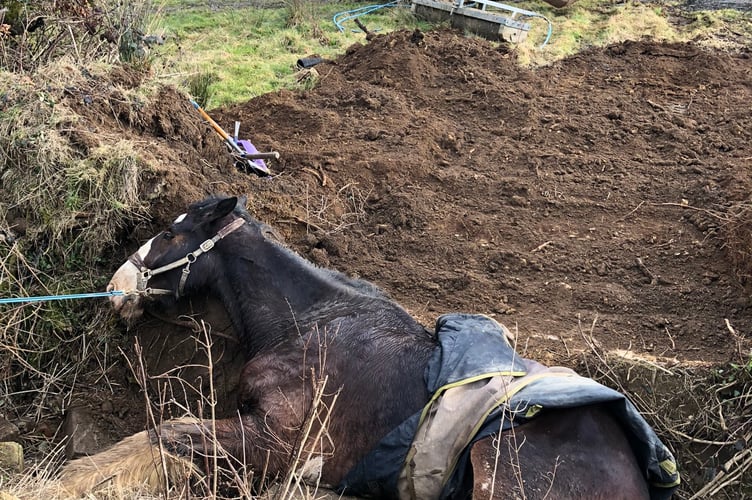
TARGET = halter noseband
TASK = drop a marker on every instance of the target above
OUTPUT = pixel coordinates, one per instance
(190, 258)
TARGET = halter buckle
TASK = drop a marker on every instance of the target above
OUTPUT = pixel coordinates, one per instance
(142, 280)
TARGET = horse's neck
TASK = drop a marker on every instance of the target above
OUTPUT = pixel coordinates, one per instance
(281, 295)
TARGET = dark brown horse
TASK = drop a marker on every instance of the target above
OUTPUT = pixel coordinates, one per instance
(299, 323)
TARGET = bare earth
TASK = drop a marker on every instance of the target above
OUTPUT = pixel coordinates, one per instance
(593, 198)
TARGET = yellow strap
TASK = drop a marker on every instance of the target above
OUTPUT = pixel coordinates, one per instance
(442, 389)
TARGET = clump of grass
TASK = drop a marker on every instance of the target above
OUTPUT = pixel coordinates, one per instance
(71, 198)
(299, 12)
(200, 87)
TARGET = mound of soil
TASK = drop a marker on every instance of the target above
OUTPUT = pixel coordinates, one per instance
(585, 203)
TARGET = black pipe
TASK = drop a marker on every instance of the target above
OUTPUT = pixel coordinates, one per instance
(309, 62)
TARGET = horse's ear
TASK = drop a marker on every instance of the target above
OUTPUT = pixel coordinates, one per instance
(224, 207)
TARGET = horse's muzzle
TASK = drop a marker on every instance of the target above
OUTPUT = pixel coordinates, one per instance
(125, 279)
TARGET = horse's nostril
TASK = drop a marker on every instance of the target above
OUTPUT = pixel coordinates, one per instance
(110, 287)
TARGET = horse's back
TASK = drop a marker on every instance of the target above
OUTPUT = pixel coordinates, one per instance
(567, 454)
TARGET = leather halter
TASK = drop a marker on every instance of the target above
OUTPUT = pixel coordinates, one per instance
(146, 273)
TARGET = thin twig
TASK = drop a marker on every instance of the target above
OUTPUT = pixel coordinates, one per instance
(631, 212)
(646, 271)
(541, 246)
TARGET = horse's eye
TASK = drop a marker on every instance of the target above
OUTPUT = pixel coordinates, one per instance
(168, 235)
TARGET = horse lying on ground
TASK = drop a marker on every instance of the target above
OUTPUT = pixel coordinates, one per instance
(410, 413)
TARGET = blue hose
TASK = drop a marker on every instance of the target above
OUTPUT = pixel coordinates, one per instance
(341, 17)
(550, 29)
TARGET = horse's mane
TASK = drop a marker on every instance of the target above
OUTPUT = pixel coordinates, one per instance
(271, 235)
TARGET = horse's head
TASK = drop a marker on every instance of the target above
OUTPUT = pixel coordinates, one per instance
(179, 259)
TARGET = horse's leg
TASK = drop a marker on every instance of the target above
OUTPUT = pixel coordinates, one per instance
(182, 451)
(274, 405)
(568, 454)
(136, 461)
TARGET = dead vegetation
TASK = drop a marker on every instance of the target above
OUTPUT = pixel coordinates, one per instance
(700, 412)
(135, 470)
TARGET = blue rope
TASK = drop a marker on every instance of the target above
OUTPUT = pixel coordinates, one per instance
(15, 300)
(360, 11)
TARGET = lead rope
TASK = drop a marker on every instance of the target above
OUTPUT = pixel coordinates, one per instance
(69, 296)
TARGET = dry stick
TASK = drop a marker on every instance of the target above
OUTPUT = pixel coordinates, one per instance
(514, 461)
(362, 26)
(718, 483)
(553, 477)
(324, 424)
(631, 212)
(318, 393)
(315, 414)
(701, 441)
(738, 340)
(265, 469)
(212, 406)
(690, 207)
(75, 46)
(646, 271)
(497, 440)
(541, 246)
(673, 345)
(300, 220)
(508, 334)
(566, 347)
(308, 425)
(722, 419)
(190, 323)
(319, 176)
(239, 483)
(323, 176)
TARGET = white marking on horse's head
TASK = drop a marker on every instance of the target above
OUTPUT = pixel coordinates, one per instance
(180, 218)
(125, 279)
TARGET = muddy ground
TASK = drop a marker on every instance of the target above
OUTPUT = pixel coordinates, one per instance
(592, 203)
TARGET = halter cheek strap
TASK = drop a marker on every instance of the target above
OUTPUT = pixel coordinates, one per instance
(146, 273)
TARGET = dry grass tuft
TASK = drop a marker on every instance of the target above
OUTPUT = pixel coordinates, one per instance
(72, 189)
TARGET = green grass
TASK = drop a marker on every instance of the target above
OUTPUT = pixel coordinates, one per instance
(253, 51)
